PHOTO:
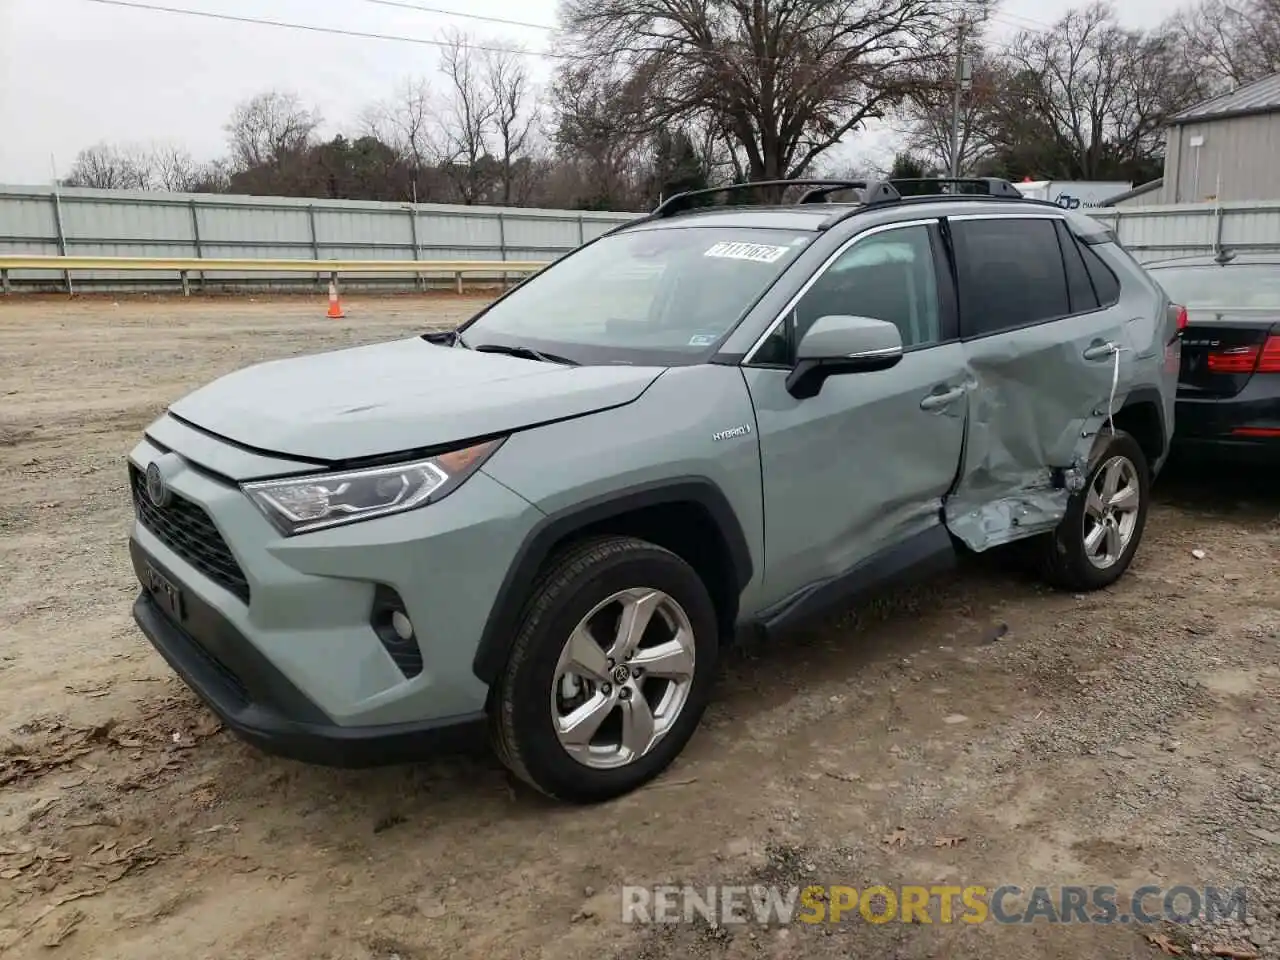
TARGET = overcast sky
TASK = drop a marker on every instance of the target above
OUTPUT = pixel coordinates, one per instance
(76, 72)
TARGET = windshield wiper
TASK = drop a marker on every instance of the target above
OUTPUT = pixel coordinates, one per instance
(527, 353)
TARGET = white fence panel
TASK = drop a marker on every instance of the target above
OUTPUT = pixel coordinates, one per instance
(79, 222)
(38, 220)
(1155, 233)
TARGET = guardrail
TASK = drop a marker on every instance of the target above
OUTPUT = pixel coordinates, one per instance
(186, 266)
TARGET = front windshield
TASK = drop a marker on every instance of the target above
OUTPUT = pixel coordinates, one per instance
(1237, 287)
(662, 296)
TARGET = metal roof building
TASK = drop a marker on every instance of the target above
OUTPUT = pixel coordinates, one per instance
(1225, 149)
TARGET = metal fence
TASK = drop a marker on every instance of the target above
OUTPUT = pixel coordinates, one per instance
(79, 222)
(1157, 232)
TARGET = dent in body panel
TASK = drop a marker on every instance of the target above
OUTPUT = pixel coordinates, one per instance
(669, 433)
(1035, 406)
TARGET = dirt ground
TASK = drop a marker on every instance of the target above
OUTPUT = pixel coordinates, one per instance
(978, 730)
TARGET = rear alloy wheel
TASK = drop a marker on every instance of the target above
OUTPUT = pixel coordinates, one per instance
(1111, 512)
(610, 672)
(1099, 535)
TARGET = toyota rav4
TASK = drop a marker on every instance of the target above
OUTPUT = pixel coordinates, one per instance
(716, 419)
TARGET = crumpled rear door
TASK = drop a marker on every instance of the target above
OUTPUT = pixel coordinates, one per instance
(1035, 404)
(1038, 392)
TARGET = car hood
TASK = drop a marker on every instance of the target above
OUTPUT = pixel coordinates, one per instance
(399, 396)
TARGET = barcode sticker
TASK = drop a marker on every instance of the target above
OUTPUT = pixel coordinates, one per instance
(758, 252)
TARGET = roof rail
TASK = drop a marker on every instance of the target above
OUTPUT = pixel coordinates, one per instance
(817, 194)
(873, 191)
(934, 190)
(951, 186)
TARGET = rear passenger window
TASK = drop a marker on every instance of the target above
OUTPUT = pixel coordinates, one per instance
(1104, 281)
(1079, 287)
(1011, 274)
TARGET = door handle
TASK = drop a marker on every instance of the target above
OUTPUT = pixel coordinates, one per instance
(936, 401)
(1099, 351)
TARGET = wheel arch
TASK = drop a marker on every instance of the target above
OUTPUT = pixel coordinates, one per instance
(690, 516)
(1142, 417)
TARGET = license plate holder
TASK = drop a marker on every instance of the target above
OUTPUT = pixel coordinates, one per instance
(165, 593)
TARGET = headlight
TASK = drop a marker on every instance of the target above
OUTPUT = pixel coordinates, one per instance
(302, 504)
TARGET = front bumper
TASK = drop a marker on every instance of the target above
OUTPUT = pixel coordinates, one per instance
(261, 706)
(277, 633)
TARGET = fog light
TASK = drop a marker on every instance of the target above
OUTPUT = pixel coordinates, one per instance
(390, 621)
(401, 625)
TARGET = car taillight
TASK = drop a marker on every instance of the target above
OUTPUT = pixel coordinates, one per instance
(1269, 360)
(1182, 317)
(1234, 360)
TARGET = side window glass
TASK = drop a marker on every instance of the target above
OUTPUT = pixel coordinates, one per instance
(1079, 287)
(888, 276)
(1104, 281)
(777, 349)
(1011, 274)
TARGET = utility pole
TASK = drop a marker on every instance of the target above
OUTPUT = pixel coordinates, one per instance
(962, 81)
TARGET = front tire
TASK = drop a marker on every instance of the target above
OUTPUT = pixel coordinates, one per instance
(610, 673)
(1099, 535)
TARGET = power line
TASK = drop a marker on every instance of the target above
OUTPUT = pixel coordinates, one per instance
(400, 5)
(311, 28)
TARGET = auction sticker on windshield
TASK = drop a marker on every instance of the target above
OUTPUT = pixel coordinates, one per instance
(759, 252)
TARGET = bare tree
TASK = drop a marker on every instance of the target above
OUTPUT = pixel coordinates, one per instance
(173, 168)
(1232, 41)
(469, 111)
(513, 111)
(409, 122)
(1092, 94)
(791, 78)
(600, 136)
(106, 166)
(213, 177)
(724, 158)
(925, 118)
(269, 127)
(165, 167)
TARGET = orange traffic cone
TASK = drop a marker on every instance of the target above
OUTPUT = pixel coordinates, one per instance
(335, 305)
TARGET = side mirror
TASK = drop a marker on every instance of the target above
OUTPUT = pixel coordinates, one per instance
(836, 345)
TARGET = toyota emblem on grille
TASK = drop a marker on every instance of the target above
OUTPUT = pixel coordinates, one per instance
(157, 486)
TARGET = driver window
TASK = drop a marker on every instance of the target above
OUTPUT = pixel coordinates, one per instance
(889, 276)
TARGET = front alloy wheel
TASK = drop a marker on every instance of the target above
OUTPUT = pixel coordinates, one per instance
(610, 671)
(623, 678)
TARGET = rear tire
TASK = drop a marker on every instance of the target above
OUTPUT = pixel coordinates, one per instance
(1100, 532)
(596, 716)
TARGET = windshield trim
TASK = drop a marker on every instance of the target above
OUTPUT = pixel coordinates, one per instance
(581, 353)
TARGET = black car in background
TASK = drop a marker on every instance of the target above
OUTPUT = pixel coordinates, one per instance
(1228, 400)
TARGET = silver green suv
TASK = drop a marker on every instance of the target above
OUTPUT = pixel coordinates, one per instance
(713, 420)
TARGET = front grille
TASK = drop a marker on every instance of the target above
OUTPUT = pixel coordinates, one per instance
(186, 529)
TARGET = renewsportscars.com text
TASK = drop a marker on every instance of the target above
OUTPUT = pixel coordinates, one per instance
(1006, 904)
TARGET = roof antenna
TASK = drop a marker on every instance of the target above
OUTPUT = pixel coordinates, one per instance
(1224, 256)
